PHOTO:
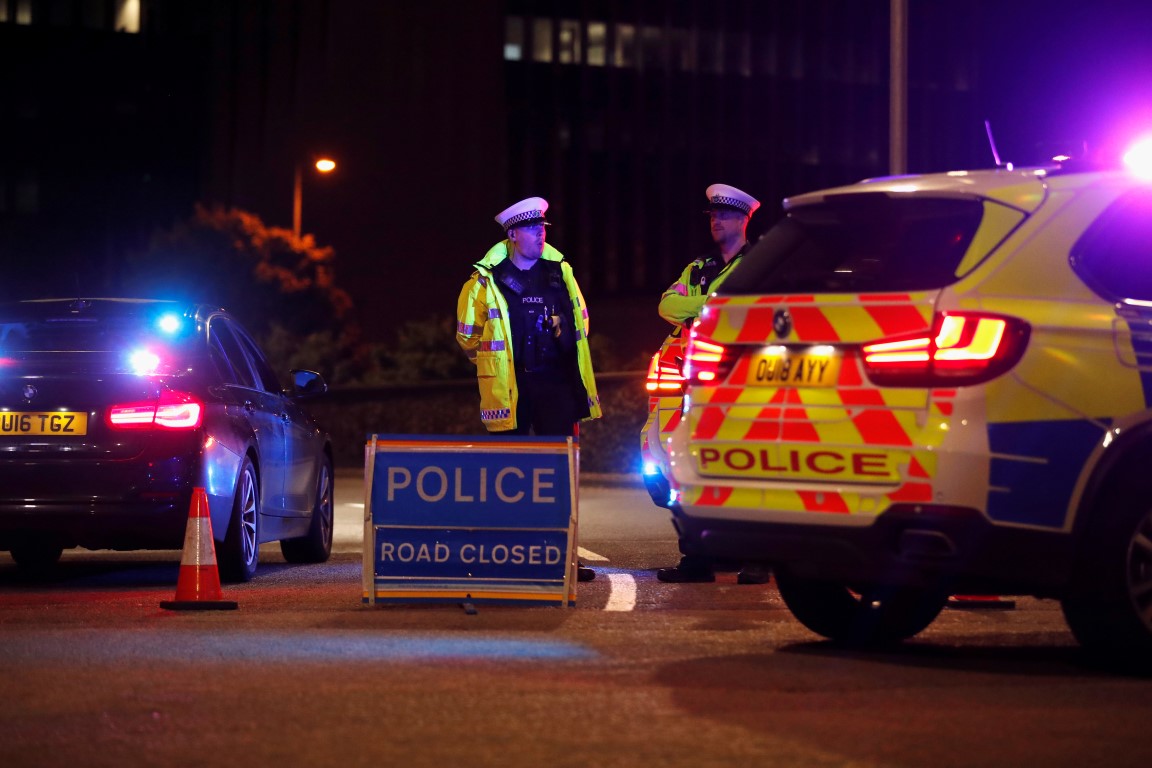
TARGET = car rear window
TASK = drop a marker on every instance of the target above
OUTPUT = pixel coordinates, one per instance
(105, 342)
(861, 243)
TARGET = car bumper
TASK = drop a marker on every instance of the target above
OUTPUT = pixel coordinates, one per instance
(96, 525)
(911, 545)
(113, 505)
(657, 486)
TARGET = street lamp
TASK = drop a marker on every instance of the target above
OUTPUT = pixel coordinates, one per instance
(323, 165)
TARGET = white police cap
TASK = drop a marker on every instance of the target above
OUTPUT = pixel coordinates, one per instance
(724, 196)
(528, 211)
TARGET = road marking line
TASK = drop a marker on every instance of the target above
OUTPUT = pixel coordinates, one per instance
(589, 555)
(622, 596)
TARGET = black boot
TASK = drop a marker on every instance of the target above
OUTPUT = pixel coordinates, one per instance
(691, 570)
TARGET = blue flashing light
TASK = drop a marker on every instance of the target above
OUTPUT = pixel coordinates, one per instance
(169, 323)
(650, 468)
(143, 362)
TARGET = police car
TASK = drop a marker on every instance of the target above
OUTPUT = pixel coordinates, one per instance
(921, 386)
(665, 387)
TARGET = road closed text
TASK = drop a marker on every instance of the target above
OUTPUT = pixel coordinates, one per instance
(782, 462)
(469, 553)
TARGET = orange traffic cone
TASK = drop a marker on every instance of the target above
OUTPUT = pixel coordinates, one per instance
(198, 588)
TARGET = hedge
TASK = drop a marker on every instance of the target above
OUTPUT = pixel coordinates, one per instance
(607, 445)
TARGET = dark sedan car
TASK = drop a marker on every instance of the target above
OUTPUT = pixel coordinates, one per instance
(113, 410)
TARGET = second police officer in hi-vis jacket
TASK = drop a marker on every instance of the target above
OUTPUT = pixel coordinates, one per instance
(729, 210)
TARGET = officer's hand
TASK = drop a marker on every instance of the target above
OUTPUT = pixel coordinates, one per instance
(555, 321)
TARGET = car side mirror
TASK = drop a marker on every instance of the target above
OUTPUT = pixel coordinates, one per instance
(307, 383)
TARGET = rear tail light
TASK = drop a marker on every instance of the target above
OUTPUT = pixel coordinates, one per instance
(962, 349)
(172, 410)
(706, 362)
(664, 377)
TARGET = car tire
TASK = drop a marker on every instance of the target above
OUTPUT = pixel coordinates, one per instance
(1108, 606)
(36, 556)
(241, 547)
(316, 546)
(874, 616)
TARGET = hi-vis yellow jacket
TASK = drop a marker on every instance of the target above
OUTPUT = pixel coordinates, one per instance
(484, 332)
(682, 302)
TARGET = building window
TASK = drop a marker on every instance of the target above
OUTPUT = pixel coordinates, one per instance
(92, 14)
(513, 38)
(128, 16)
(597, 43)
(624, 51)
(569, 43)
(542, 40)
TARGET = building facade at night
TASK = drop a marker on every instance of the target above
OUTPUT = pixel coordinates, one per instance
(97, 145)
(121, 114)
(631, 109)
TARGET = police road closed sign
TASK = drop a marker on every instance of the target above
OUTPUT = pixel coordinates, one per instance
(486, 519)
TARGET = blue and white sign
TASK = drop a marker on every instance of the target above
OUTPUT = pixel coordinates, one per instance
(488, 519)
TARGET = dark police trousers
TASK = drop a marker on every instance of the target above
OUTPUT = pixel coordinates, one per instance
(546, 405)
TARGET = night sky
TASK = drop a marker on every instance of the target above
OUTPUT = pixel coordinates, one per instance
(1067, 72)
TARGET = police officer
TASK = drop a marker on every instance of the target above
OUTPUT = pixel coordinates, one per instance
(521, 319)
(729, 209)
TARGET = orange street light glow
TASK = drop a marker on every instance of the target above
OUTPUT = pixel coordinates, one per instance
(325, 165)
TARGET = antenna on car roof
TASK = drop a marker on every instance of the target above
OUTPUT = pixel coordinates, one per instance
(78, 304)
(992, 142)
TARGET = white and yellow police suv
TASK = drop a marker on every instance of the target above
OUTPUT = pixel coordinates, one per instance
(921, 386)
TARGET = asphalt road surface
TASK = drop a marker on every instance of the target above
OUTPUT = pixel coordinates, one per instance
(94, 673)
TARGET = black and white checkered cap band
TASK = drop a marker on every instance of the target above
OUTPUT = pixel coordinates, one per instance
(731, 202)
(520, 218)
